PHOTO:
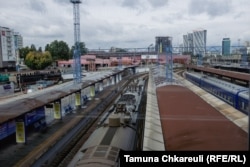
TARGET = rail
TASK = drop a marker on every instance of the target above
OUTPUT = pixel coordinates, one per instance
(46, 152)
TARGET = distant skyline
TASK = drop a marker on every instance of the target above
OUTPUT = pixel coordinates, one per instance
(127, 23)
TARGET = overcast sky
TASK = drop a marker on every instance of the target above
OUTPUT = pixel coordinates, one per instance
(126, 23)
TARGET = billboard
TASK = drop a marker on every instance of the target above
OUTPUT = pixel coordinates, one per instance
(7, 129)
(78, 99)
(20, 132)
(57, 110)
(3, 130)
(149, 56)
(34, 116)
(92, 91)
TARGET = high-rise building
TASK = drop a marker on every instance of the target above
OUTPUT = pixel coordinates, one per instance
(199, 42)
(190, 43)
(185, 43)
(162, 43)
(18, 40)
(7, 50)
(10, 42)
(226, 44)
(195, 43)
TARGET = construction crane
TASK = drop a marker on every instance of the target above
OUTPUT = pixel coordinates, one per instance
(76, 54)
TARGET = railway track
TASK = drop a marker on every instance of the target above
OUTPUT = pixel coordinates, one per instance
(68, 152)
(141, 117)
(59, 149)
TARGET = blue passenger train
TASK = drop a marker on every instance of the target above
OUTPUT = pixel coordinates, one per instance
(235, 95)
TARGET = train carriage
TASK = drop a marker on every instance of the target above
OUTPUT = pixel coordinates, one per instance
(116, 130)
(243, 101)
(235, 95)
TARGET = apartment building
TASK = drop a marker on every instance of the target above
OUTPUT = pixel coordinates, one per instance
(10, 42)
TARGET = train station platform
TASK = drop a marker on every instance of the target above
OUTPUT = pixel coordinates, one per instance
(192, 119)
(13, 154)
(233, 75)
(39, 141)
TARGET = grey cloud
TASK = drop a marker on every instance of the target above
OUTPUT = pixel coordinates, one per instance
(158, 3)
(41, 31)
(141, 6)
(62, 1)
(65, 2)
(170, 18)
(53, 19)
(112, 34)
(211, 7)
(102, 30)
(131, 4)
(137, 4)
(239, 15)
(38, 5)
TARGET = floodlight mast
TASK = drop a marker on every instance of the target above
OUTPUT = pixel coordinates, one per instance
(76, 53)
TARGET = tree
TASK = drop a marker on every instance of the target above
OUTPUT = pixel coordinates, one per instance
(40, 49)
(47, 47)
(117, 50)
(83, 49)
(32, 47)
(38, 60)
(59, 50)
(23, 52)
(121, 50)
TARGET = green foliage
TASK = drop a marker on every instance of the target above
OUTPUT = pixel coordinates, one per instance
(83, 49)
(23, 52)
(38, 60)
(40, 49)
(117, 50)
(47, 47)
(59, 50)
(121, 50)
(32, 47)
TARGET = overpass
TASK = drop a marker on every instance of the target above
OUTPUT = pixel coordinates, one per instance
(103, 54)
